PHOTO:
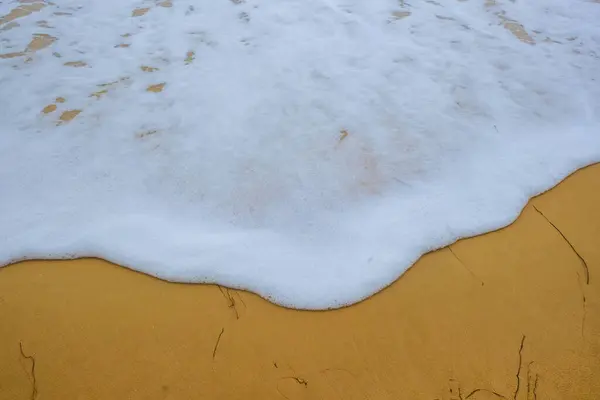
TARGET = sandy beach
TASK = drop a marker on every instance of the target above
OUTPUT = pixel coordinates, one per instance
(509, 314)
(512, 314)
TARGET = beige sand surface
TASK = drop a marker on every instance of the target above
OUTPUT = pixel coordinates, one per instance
(504, 315)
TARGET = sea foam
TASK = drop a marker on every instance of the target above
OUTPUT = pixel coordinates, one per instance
(307, 150)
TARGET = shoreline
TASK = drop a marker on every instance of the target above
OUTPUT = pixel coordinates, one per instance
(508, 314)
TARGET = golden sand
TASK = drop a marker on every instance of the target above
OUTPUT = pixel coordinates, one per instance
(505, 315)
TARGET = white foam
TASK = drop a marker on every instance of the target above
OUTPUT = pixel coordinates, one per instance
(249, 179)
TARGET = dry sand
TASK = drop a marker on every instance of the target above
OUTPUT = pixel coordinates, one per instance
(504, 315)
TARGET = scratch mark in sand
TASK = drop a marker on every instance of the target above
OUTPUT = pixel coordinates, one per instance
(464, 265)
(535, 381)
(519, 368)
(32, 371)
(584, 305)
(241, 299)
(585, 266)
(498, 395)
(485, 390)
(473, 392)
(217, 343)
(230, 299)
(299, 381)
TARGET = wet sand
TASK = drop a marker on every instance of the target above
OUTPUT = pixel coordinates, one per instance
(509, 314)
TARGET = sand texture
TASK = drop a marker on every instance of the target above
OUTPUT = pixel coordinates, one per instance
(509, 314)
